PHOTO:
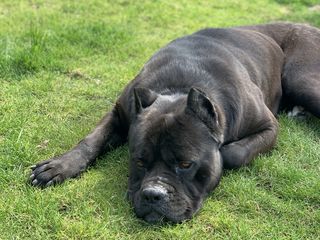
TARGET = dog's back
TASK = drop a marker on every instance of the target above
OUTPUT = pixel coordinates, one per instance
(301, 70)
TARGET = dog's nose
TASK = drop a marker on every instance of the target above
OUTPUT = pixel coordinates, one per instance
(154, 194)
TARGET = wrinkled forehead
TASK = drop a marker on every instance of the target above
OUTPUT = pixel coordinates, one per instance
(168, 135)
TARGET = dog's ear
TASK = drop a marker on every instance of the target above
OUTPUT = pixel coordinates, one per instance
(143, 97)
(200, 105)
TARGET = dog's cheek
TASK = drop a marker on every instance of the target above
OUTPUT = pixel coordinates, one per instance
(208, 176)
(135, 179)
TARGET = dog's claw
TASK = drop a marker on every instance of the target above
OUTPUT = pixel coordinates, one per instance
(32, 176)
(33, 167)
(35, 182)
(49, 183)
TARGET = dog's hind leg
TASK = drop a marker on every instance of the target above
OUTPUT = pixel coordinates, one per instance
(301, 71)
(108, 134)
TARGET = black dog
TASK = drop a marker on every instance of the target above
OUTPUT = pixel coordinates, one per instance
(204, 102)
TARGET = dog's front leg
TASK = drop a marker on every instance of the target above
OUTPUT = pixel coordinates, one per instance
(108, 134)
(241, 152)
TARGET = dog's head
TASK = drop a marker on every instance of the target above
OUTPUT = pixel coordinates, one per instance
(174, 149)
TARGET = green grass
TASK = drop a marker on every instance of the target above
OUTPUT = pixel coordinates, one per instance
(63, 64)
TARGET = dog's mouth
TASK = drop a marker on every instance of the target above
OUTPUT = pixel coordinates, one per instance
(158, 214)
(154, 217)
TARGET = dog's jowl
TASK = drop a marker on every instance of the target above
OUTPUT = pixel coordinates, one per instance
(202, 103)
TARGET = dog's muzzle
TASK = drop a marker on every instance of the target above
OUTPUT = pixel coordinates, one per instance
(154, 195)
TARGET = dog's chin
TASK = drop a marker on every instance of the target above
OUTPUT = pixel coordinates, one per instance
(156, 217)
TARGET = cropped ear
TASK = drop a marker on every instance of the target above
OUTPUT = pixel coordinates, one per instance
(202, 107)
(143, 97)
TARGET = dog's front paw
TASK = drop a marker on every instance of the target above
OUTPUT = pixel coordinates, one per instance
(47, 173)
(56, 170)
(234, 155)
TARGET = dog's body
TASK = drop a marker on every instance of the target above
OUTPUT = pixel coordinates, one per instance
(203, 102)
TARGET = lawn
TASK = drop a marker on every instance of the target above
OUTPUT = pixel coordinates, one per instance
(62, 66)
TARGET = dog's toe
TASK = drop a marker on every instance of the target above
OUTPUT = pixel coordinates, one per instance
(298, 112)
(34, 182)
(47, 173)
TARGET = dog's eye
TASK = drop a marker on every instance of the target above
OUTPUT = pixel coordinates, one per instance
(140, 163)
(184, 165)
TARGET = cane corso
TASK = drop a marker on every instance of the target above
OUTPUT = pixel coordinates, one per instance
(204, 102)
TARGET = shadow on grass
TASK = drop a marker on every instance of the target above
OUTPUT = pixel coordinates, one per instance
(312, 123)
(300, 2)
(310, 13)
(40, 49)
